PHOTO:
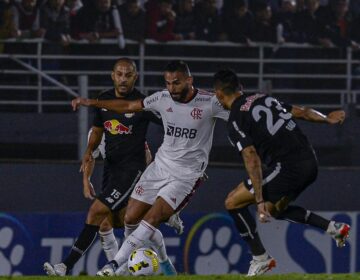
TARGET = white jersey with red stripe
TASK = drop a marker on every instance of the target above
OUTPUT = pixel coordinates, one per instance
(189, 129)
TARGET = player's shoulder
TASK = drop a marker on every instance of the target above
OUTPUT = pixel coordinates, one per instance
(246, 101)
(106, 94)
(156, 97)
(203, 96)
(136, 94)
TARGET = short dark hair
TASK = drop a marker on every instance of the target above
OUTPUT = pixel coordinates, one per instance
(178, 66)
(127, 60)
(227, 81)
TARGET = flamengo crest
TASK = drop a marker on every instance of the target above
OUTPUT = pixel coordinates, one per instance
(196, 113)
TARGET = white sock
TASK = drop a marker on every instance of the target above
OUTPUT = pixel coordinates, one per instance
(134, 241)
(129, 229)
(159, 245)
(331, 228)
(262, 257)
(109, 244)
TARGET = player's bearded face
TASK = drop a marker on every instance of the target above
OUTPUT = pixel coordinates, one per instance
(178, 85)
(124, 77)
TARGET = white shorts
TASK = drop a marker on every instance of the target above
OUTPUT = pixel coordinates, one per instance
(157, 182)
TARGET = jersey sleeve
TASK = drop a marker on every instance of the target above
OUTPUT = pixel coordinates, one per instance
(97, 120)
(100, 149)
(153, 102)
(239, 134)
(218, 110)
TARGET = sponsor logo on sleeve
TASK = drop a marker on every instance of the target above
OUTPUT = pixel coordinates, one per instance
(151, 100)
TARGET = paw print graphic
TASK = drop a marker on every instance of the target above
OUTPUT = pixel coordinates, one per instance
(10, 255)
(217, 254)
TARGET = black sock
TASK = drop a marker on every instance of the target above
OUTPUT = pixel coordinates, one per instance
(246, 226)
(298, 214)
(84, 241)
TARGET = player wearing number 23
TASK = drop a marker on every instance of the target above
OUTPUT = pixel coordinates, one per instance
(265, 132)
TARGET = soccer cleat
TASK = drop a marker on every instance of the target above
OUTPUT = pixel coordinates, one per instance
(123, 270)
(260, 267)
(168, 268)
(108, 269)
(340, 234)
(55, 270)
(176, 223)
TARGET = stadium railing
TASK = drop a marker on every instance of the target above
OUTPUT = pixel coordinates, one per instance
(301, 74)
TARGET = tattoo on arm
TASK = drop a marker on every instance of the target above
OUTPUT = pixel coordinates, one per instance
(253, 168)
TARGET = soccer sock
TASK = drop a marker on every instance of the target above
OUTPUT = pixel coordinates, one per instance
(159, 245)
(298, 214)
(109, 244)
(129, 229)
(246, 226)
(135, 240)
(84, 241)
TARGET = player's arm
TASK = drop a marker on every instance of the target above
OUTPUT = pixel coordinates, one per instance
(88, 188)
(309, 114)
(88, 162)
(117, 105)
(253, 167)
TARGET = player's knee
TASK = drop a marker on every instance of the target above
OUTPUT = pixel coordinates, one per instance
(105, 226)
(97, 214)
(230, 203)
(130, 218)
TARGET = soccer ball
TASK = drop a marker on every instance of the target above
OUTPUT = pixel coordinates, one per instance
(143, 262)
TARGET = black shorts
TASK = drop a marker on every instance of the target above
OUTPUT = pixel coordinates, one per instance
(117, 186)
(286, 179)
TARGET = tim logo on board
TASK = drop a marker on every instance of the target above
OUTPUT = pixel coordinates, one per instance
(15, 243)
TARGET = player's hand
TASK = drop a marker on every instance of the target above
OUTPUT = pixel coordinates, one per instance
(264, 215)
(88, 189)
(78, 101)
(336, 117)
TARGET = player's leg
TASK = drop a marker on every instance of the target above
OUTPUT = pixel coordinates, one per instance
(165, 195)
(117, 187)
(307, 173)
(107, 238)
(135, 211)
(237, 203)
(337, 230)
(147, 232)
(96, 214)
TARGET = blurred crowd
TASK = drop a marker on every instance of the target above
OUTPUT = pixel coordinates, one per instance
(326, 23)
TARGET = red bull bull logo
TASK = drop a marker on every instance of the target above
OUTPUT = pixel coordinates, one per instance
(115, 127)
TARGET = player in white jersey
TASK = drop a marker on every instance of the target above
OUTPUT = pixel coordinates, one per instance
(188, 116)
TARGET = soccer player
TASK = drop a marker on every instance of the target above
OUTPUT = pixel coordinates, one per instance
(265, 131)
(123, 165)
(188, 116)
